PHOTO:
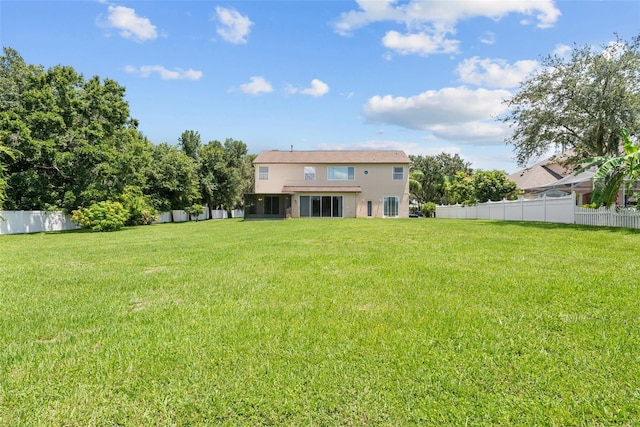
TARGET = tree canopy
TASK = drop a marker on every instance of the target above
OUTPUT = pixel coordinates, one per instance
(479, 187)
(429, 184)
(69, 142)
(579, 103)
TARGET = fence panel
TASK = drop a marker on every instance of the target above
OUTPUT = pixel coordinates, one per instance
(560, 209)
(626, 218)
(548, 209)
(608, 217)
(598, 217)
(18, 222)
(556, 209)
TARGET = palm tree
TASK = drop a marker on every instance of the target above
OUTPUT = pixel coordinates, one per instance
(613, 172)
(416, 177)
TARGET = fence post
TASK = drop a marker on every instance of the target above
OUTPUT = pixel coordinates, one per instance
(612, 216)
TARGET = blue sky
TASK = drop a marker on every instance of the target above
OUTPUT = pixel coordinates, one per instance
(422, 76)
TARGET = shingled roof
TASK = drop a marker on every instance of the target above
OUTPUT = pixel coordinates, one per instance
(332, 157)
(542, 173)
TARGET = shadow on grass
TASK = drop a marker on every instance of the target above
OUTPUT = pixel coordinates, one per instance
(557, 226)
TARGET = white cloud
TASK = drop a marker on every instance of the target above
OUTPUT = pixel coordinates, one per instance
(165, 74)
(318, 88)
(459, 113)
(561, 50)
(131, 26)
(233, 27)
(419, 43)
(257, 86)
(448, 105)
(429, 22)
(495, 72)
(485, 132)
(419, 12)
(488, 38)
(370, 11)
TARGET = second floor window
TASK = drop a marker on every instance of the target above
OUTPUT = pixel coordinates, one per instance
(341, 173)
(398, 173)
(309, 173)
(263, 173)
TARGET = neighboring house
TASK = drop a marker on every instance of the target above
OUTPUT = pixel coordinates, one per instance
(329, 184)
(551, 179)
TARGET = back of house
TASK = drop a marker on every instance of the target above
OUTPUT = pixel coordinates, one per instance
(330, 184)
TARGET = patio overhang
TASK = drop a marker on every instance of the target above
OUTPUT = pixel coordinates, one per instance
(292, 189)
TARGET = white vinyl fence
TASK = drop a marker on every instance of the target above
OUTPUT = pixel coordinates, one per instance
(608, 217)
(182, 216)
(18, 222)
(546, 209)
(14, 222)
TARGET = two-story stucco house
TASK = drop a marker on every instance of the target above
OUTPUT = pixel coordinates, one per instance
(330, 184)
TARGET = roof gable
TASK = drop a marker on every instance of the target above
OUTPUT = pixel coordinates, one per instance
(332, 157)
(542, 173)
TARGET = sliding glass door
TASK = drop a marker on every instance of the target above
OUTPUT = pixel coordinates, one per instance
(321, 206)
(390, 206)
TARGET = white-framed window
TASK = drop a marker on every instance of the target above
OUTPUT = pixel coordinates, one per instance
(390, 206)
(398, 173)
(341, 173)
(309, 173)
(263, 173)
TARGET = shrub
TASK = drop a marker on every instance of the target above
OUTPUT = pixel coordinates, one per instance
(139, 206)
(194, 210)
(428, 209)
(591, 206)
(101, 216)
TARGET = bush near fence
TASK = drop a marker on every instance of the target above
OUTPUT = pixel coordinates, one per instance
(20, 222)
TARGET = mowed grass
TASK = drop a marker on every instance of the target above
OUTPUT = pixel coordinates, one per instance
(321, 322)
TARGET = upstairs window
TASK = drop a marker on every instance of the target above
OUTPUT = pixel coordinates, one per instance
(341, 173)
(309, 173)
(263, 173)
(398, 173)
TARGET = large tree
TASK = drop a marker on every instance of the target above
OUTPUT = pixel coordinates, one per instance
(74, 140)
(221, 173)
(578, 104)
(173, 181)
(190, 143)
(435, 171)
(4, 153)
(492, 185)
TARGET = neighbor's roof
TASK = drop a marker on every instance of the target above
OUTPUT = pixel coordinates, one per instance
(542, 173)
(332, 157)
(574, 180)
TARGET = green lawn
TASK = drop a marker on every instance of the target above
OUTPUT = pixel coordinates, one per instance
(322, 322)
